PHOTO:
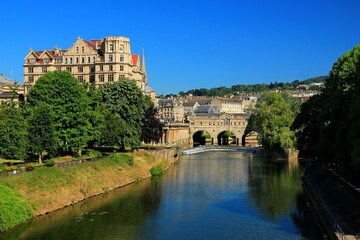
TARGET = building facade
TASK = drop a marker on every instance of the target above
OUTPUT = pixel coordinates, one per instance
(96, 62)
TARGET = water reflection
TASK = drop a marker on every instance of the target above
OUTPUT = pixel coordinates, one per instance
(273, 187)
(205, 196)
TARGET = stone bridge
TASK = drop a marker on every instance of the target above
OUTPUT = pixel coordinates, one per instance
(210, 130)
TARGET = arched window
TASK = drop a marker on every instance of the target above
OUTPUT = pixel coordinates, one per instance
(121, 48)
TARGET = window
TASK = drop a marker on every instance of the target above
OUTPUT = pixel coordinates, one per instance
(68, 69)
(59, 60)
(94, 59)
(30, 70)
(44, 69)
(110, 77)
(110, 67)
(77, 49)
(81, 78)
(92, 79)
(101, 78)
(92, 69)
(111, 48)
(121, 68)
(31, 79)
(80, 69)
(89, 59)
(110, 58)
(82, 60)
(33, 60)
(70, 60)
(121, 58)
(121, 48)
(82, 49)
(77, 60)
(46, 60)
(58, 68)
(101, 68)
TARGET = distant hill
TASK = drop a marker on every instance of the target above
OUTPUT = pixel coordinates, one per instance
(254, 88)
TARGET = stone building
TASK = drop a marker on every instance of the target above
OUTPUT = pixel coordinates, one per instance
(170, 110)
(95, 61)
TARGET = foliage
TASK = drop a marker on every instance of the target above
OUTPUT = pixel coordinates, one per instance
(13, 208)
(122, 159)
(228, 134)
(93, 153)
(255, 88)
(13, 132)
(156, 171)
(272, 118)
(124, 99)
(49, 162)
(334, 114)
(71, 107)
(42, 131)
(113, 130)
(152, 128)
(205, 135)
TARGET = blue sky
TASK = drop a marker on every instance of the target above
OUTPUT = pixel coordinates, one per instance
(192, 44)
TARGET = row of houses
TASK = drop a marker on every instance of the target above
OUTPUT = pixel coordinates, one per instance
(178, 110)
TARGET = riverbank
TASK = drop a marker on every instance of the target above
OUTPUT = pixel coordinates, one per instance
(47, 189)
(338, 208)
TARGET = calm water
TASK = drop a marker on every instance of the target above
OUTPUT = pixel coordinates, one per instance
(204, 196)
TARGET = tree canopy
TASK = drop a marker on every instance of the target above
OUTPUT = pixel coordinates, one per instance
(272, 118)
(70, 104)
(127, 101)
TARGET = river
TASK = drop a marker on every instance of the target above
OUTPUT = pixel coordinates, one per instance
(214, 195)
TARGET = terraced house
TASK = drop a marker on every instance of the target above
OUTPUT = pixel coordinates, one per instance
(95, 61)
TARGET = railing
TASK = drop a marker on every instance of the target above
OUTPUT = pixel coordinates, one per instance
(337, 229)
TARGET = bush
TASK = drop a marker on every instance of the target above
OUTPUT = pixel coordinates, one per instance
(13, 210)
(122, 159)
(49, 163)
(93, 153)
(156, 171)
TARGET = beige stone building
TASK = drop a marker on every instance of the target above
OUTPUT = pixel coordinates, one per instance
(95, 61)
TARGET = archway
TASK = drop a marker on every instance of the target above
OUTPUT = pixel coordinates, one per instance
(250, 139)
(201, 138)
(226, 138)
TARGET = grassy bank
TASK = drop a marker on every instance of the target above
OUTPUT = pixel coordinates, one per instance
(47, 189)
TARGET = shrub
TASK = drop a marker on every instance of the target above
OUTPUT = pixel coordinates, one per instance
(49, 162)
(156, 171)
(13, 209)
(93, 153)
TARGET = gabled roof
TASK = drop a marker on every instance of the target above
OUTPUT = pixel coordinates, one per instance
(90, 44)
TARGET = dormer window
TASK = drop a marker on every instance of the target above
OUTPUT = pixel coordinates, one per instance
(46, 60)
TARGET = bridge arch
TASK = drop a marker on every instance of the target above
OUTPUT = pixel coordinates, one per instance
(202, 138)
(227, 138)
(250, 139)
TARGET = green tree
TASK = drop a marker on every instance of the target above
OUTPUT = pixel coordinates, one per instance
(152, 128)
(71, 107)
(42, 131)
(272, 118)
(113, 129)
(13, 132)
(126, 100)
